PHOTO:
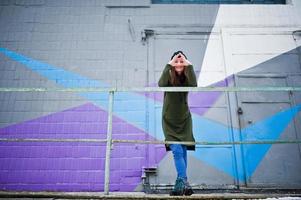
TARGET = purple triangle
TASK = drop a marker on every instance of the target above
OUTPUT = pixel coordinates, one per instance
(200, 102)
(74, 166)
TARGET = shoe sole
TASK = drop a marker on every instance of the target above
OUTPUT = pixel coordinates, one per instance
(188, 192)
(177, 194)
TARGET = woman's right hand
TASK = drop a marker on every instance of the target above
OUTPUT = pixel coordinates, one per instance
(173, 61)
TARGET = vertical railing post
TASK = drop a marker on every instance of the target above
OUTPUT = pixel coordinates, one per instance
(109, 143)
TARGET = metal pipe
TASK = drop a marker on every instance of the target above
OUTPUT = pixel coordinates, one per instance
(109, 143)
(50, 140)
(149, 141)
(154, 89)
(209, 143)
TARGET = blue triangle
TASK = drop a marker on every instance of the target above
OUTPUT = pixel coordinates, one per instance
(267, 129)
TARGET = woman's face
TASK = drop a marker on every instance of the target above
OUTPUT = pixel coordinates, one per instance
(179, 64)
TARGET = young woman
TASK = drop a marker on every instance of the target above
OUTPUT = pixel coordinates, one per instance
(176, 117)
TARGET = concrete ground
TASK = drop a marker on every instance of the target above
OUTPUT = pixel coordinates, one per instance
(281, 198)
(140, 195)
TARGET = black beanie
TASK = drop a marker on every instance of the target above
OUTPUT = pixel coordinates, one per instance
(177, 52)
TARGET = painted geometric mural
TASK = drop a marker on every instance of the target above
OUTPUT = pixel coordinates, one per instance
(88, 159)
(221, 59)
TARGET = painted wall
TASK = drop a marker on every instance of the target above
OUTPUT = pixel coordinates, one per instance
(70, 44)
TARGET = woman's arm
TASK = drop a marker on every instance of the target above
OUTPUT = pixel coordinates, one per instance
(190, 75)
(163, 81)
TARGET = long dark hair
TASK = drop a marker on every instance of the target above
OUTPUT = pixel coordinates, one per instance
(177, 80)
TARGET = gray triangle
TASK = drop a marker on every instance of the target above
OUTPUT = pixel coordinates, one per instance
(21, 106)
(198, 172)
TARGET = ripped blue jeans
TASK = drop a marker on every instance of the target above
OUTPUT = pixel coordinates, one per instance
(180, 158)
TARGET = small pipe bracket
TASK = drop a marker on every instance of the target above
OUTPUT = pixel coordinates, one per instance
(145, 34)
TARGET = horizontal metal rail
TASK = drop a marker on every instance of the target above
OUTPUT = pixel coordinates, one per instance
(111, 90)
(149, 141)
(153, 89)
(51, 140)
(209, 143)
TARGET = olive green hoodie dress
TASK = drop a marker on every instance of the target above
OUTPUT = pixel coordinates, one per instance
(176, 117)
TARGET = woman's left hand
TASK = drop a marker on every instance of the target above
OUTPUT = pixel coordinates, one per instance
(186, 62)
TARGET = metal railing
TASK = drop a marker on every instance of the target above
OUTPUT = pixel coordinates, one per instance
(109, 141)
